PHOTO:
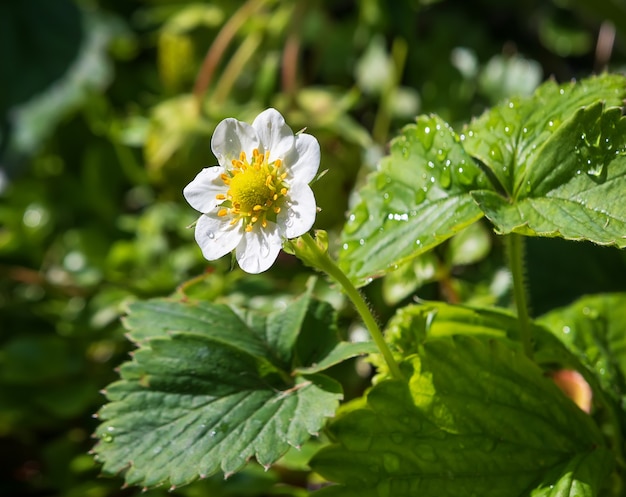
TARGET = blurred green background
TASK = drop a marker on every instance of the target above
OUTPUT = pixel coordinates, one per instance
(106, 112)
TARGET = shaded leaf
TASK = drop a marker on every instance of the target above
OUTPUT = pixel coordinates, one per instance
(593, 329)
(212, 386)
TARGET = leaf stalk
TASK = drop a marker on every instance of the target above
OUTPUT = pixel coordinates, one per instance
(319, 258)
(515, 249)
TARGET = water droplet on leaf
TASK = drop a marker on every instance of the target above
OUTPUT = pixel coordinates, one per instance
(445, 177)
(391, 462)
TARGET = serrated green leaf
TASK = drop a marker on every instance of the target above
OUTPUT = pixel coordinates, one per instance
(211, 387)
(478, 418)
(560, 158)
(415, 324)
(510, 137)
(149, 319)
(592, 328)
(418, 198)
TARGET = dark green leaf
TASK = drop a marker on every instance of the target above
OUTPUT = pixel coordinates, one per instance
(478, 418)
(210, 387)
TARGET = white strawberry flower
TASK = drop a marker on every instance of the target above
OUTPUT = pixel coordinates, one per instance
(259, 194)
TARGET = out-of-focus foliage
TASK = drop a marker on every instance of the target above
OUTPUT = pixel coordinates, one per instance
(106, 110)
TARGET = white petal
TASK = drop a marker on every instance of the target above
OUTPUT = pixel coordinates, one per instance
(231, 137)
(259, 248)
(201, 192)
(216, 236)
(299, 215)
(274, 134)
(304, 161)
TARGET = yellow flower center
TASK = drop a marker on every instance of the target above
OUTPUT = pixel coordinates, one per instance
(256, 190)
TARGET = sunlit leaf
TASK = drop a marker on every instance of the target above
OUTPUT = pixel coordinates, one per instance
(477, 418)
(418, 198)
(560, 158)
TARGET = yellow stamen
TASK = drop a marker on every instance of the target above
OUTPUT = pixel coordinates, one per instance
(255, 190)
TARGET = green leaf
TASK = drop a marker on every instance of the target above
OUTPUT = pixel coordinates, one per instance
(592, 328)
(211, 387)
(477, 418)
(418, 198)
(560, 158)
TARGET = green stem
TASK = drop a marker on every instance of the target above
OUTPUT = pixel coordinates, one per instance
(326, 264)
(516, 264)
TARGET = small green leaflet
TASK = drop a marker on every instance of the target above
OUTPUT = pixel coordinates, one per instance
(477, 418)
(211, 387)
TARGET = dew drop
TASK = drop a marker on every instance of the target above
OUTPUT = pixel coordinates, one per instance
(356, 219)
(420, 195)
(445, 177)
(358, 443)
(594, 170)
(590, 313)
(495, 153)
(397, 437)
(425, 452)
(488, 445)
(382, 180)
(210, 234)
(391, 462)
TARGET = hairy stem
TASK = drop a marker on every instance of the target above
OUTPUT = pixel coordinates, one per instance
(515, 246)
(327, 265)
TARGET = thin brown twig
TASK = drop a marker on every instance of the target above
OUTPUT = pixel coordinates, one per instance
(291, 52)
(604, 45)
(219, 45)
